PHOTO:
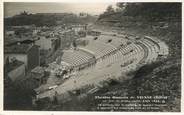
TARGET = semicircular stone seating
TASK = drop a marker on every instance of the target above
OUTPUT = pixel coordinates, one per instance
(117, 60)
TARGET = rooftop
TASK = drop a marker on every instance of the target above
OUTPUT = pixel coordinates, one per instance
(21, 48)
(9, 40)
(13, 65)
(12, 40)
(38, 69)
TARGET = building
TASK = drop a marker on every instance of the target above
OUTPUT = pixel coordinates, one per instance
(48, 43)
(78, 28)
(94, 33)
(29, 54)
(15, 69)
(83, 15)
(10, 32)
(39, 74)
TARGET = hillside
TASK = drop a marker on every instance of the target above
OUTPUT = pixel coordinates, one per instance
(163, 22)
(47, 19)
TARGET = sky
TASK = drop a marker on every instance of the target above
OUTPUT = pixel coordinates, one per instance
(13, 8)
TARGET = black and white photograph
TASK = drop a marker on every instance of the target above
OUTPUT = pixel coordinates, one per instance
(103, 56)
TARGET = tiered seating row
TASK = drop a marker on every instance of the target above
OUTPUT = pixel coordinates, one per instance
(100, 49)
(144, 50)
(163, 48)
(75, 57)
(122, 55)
(152, 50)
(116, 41)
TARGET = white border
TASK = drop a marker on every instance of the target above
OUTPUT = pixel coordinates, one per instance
(76, 112)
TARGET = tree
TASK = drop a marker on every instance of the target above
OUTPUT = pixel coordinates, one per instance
(120, 6)
(24, 13)
(110, 10)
